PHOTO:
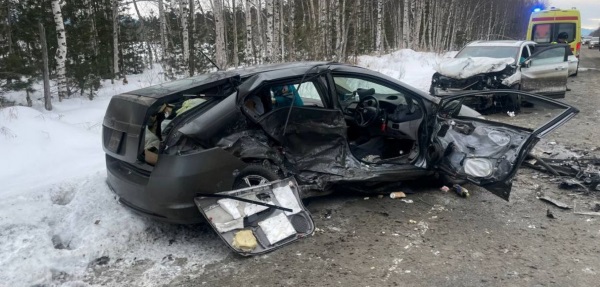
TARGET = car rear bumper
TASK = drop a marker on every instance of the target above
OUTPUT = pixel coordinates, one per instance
(132, 191)
(167, 193)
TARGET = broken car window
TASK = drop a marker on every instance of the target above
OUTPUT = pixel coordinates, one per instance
(550, 56)
(489, 52)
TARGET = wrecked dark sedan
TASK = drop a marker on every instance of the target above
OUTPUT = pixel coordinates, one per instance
(324, 125)
(519, 65)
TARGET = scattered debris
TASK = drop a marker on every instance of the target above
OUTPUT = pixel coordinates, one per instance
(584, 173)
(407, 200)
(444, 188)
(328, 213)
(366, 198)
(510, 114)
(595, 210)
(461, 191)
(549, 214)
(412, 221)
(555, 202)
(398, 194)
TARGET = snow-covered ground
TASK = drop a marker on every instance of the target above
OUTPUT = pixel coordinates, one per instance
(59, 222)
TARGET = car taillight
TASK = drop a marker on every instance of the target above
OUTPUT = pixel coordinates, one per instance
(578, 46)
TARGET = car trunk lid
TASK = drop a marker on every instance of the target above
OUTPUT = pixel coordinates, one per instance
(127, 114)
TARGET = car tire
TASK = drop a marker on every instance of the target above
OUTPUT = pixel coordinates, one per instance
(254, 175)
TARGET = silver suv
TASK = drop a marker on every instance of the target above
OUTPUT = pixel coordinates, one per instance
(519, 65)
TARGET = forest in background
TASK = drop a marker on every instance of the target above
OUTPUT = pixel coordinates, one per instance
(90, 40)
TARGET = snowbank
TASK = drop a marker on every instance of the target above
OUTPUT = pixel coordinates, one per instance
(59, 222)
(413, 68)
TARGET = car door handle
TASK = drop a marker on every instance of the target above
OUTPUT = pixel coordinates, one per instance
(559, 68)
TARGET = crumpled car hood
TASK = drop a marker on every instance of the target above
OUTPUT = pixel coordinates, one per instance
(463, 68)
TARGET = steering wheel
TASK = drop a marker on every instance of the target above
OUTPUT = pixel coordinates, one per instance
(366, 111)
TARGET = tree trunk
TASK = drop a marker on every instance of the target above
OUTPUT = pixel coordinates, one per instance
(236, 60)
(143, 33)
(163, 32)
(185, 36)
(276, 31)
(269, 42)
(379, 39)
(291, 31)
(47, 99)
(192, 37)
(323, 29)
(220, 52)
(261, 51)
(406, 25)
(61, 51)
(345, 29)
(338, 30)
(249, 44)
(115, 22)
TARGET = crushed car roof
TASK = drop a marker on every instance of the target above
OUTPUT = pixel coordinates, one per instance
(181, 85)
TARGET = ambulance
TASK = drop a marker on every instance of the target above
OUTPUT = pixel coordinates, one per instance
(545, 25)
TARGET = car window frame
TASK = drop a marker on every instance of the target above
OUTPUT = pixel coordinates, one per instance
(318, 84)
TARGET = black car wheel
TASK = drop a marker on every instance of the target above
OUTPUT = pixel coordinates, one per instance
(254, 175)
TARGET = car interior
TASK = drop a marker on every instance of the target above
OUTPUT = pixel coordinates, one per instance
(383, 124)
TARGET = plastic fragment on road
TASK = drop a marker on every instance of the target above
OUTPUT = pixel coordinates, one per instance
(398, 194)
(558, 203)
(461, 191)
(444, 188)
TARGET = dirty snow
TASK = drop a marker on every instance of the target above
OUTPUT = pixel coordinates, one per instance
(59, 222)
(462, 68)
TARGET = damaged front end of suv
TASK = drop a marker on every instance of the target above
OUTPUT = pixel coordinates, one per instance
(459, 75)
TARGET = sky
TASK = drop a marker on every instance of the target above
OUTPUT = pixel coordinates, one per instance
(589, 9)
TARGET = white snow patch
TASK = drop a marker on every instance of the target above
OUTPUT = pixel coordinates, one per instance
(413, 68)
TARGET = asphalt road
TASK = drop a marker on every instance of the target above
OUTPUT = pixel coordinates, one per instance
(590, 58)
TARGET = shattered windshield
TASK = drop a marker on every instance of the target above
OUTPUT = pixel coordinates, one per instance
(489, 51)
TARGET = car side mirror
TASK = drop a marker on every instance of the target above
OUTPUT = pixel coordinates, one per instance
(527, 63)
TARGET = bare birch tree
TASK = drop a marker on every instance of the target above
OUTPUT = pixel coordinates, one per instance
(236, 60)
(61, 51)
(220, 52)
(406, 25)
(185, 36)
(249, 51)
(276, 31)
(115, 21)
(163, 31)
(379, 38)
(269, 38)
